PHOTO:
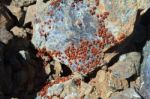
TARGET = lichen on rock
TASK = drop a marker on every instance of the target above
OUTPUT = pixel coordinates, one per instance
(77, 32)
(74, 33)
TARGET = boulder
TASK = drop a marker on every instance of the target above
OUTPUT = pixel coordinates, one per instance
(127, 66)
(76, 33)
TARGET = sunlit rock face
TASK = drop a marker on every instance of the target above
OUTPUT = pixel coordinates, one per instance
(76, 32)
(145, 71)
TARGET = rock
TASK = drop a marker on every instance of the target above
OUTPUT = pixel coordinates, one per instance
(55, 90)
(5, 36)
(109, 56)
(106, 84)
(86, 89)
(32, 10)
(19, 32)
(123, 69)
(28, 31)
(21, 3)
(3, 20)
(136, 83)
(47, 69)
(58, 68)
(129, 93)
(30, 14)
(16, 11)
(64, 23)
(127, 66)
(117, 84)
(145, 71)
(66, 88)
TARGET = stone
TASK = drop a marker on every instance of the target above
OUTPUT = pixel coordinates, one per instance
(19, 32)
(58, 68)
(33, 9)
(129, 93)
(106, 84)
(16, 11)
(145, 71)
(86, 89)
(63, 22)
(117, 84)
(109, 56)
(30, 14)
(3, 20)
(55, 90)
(66, 88)
(127, 66)
(5, 36)
(21, 3)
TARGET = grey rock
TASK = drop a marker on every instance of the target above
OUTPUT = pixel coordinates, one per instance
(73, 88)
(30, 14)
(55, 90)
(127, 66)
(16, 11)
(145, 71)
(19, 32)
(129, 93)
(57, 27)
(7, 20)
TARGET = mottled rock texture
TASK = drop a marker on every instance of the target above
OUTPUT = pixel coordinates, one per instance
(106, 84)
(145, 70)
(127, 66)
(77, 32)
(129, 93)
(5, 36)
(72, 88)
(22, 2)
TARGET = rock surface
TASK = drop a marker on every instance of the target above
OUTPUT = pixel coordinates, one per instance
(127, 66)
(129, 93)
(109, 23)
(106, 84)
(67, 89)
(146, 71)
(5, 36)
(19, 32)
(72, 40)
(21, 3)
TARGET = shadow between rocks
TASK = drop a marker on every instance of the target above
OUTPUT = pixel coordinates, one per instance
(23, 76)
(6, 2)
(137, 39)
